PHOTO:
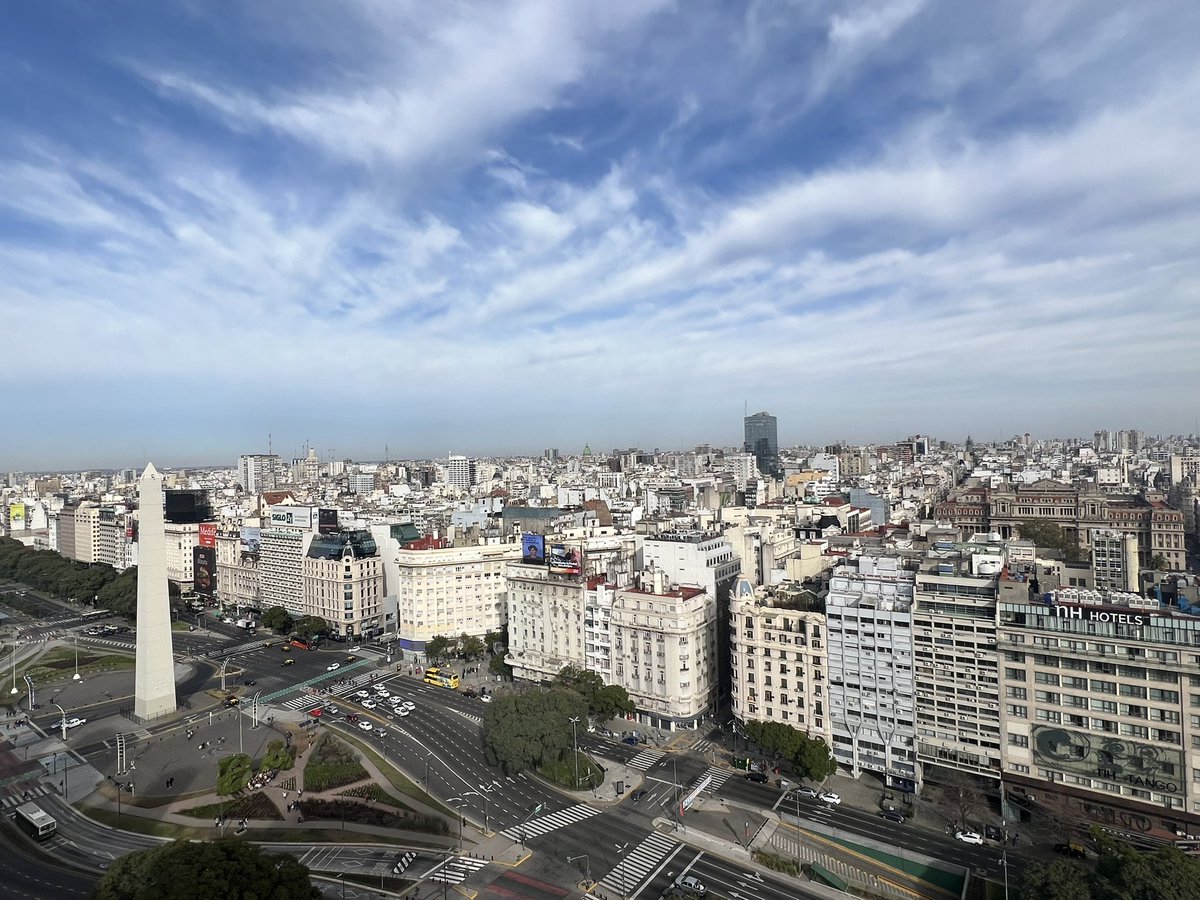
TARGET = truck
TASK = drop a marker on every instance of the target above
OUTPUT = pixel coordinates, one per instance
(245, 623)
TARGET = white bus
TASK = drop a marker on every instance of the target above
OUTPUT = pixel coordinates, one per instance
(35, 820)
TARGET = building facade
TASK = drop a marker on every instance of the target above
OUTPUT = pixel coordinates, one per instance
(342, 582)
(762, 439)
(1114, 560)
(257, 472)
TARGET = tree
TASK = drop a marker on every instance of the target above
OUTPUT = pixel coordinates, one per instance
(814, 760)
(224, 869)
(1062, 879)
(1051, 536)
(471, 647)
(526, 730)
(962, 795)
(278, 618)
(810, 757)
(307, 626)
(603, 701)
(438, 648)
(1158, 563)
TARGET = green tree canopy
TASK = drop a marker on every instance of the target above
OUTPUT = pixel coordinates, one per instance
(438, 648)
(307, 626)
(278, 619)
(1051, 536)
(810, 757)
(526, 730)
(1122, 873)
(224, 869)
(604, 701)
(1060, 879)
(471, 647)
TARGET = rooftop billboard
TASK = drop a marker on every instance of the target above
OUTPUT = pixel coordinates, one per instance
(533, 549)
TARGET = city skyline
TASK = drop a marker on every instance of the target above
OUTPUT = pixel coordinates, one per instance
(493, 228)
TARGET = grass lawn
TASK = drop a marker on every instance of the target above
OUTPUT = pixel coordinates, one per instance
(562, 772)
(251, 806)
(332, 764)
(60, 663)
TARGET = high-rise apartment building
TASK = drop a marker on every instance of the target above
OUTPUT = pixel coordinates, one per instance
(872, 712)
(779, 656)
(362, 482)
(956, 665)
(1114, 560)
(282, 546)
(762, 439)
(545, 621)
(257, 472)
(460, 473)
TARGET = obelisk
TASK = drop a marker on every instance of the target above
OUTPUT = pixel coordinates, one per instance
(154, 669)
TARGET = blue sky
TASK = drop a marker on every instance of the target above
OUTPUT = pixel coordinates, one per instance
(498, 227)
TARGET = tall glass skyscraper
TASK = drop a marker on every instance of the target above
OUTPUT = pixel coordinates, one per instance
(762, 439)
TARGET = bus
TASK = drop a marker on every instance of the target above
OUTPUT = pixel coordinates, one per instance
(36, 822)
(446, 680)
(303, 644)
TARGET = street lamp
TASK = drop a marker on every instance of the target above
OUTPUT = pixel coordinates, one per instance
(76, 676)
(574, 720)
(427, 755)
(63, 722)
(587, 867)
(14, 667)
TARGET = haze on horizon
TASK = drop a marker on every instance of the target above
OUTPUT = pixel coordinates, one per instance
(497, 227)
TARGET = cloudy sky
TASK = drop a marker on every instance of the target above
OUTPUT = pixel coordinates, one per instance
(498, 227)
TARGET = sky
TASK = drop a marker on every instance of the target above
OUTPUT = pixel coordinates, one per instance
(379, 227)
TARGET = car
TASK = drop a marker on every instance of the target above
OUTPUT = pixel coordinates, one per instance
(402, 711)
(73, 722)
(808, 792)
(486, 698)
(381, 731)
(286, 648)
(288, 662)
(366, 726)
(409, 705)
(249, 682)
(362, 694)
(332, 666)
(829, 797)
(894, 815)
(351, 718)
(968, 837)
(231, 701)
(592, 728)
(369, 704)
(383, 694)
(1071, 849)
(631, 741)
(691, 884)
(379, 688)
(333, 710)
(638, 795)
(395, 701)
(351, 658)
(757, 777)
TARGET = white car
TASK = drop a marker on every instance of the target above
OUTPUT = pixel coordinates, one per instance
(486, 698)
(366, 726)
(402, 711)
(831, 798)
(332, 666)
(808, 792)
(384, 694)
(395, 701)
(332, 710)
(361, 694)
(379, 688)
(70, 723)
(409, 705)
(968, 837)
(369, 704)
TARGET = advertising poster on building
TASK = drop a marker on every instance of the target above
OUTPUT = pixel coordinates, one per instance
(250, 537)
(533, 549)
(208, 534)
(292, 517)
(204, 570)
(327, 520)
(565, 560)
(16, 515)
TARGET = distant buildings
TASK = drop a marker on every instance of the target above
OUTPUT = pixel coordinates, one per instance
(257, 472)
(460, 473)
(762, 440)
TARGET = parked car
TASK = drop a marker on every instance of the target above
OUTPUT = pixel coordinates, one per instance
(968, 837)
(469, 692)
(362, 694)
(486, 698)
(809, 792)
(757, 777)
(893, 815)
(384, 694)
(830, 797)
(369, 704)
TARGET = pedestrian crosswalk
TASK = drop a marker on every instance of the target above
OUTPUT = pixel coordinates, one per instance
(646, 759)
(718, 776)
(544, 824)
(639, 863)
(455, 870)
(305, 702)
(23, 795)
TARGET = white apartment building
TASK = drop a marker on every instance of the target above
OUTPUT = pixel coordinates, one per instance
(181, 539)
(1115, 564)
(664, 651)
(460, 472)
(955, 658)
(779, 657)
(256, 472)
(280, 566)
(742, 467)
(361, 482)
(872, 710)
(694, 558)
(545, 621)
(238, 583)
(342, 578)
(442, 589)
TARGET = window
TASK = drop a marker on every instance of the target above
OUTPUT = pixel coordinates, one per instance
(1020, 740)
(1014, 674)
(1016, 711)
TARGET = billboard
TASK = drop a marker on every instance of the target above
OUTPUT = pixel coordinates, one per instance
(533, 548)
(1110, 758)
(204, 570)
(16, 512)
(250, 537)
(565, 560)
(292, 517)
(327, 520)
(208, 534)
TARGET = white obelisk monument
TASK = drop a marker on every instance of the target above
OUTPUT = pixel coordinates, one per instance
(154, 670)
